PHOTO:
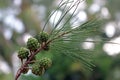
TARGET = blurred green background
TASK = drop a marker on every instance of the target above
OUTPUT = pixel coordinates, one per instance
(20, 19)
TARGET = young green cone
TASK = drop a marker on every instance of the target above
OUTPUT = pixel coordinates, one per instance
(23, 53)
(45, 62)
(37, 70)
(33, 44)
(42, 37)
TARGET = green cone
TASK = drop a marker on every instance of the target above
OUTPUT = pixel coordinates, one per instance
(37, 70)
(23, 53)
(42, 37)
(45, 62)
(33, 44)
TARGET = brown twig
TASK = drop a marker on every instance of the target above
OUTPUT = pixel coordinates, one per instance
(27, 62)
(34, 53)
(41, 48)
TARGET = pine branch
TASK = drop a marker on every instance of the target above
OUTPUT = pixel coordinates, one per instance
(66, 40)
(28, 60)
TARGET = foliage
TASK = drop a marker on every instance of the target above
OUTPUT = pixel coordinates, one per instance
(65, 49)
(65, 40)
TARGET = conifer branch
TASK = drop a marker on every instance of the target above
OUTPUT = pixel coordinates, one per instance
(27, 61)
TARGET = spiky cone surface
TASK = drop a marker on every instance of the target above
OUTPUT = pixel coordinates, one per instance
(42, 37)
(23, 53)
(45, 62)
(33, 44)
(37, 70)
